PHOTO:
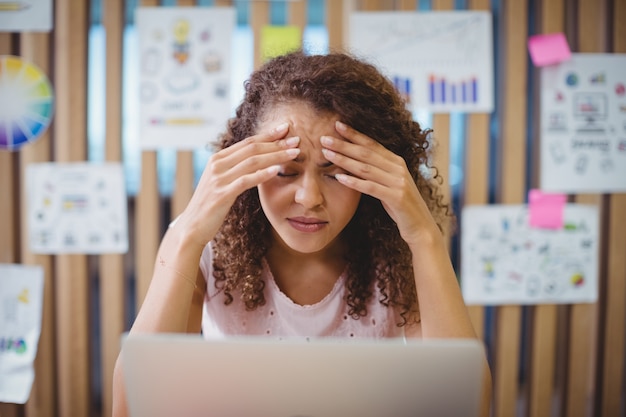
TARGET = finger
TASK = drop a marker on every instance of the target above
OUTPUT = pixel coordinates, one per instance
(362, 162)
(272, 135)
(250, 152)
(245, 182)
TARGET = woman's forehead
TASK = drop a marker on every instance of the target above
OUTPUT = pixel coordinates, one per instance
(302, 118)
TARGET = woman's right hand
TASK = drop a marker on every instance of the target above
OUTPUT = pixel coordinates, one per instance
(228, 173)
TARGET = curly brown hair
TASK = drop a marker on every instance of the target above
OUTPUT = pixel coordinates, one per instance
(355, 91)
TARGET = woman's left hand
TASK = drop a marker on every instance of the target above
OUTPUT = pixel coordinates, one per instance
(378, 172)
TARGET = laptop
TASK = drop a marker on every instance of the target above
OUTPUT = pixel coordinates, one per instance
(186, 375)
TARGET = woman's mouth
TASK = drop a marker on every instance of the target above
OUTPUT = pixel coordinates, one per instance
(307, 224)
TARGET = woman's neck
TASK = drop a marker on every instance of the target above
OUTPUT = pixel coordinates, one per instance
(306, 278)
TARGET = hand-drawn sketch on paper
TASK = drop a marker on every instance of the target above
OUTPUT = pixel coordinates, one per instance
(21, 300)
(505, 261)
(583, 124)
(185, 72)
(77, 208)
(440, 61)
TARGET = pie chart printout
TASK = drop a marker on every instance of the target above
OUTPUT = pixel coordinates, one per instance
(26, 102)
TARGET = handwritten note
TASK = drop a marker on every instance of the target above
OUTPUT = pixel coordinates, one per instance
(505, 261)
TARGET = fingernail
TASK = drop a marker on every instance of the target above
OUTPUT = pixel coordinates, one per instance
(326, 141)
(273, 169)
(281, 127)
(293, 152)
(340, 126)
(341, 177)
(292, 141)
(328, 154)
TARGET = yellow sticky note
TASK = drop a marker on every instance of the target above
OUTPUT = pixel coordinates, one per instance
(278, 40)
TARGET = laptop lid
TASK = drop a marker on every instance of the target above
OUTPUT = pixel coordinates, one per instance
(186, 375)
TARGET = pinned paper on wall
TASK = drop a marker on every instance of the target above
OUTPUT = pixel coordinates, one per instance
(26, 102)
(546, 209)
(506, 261)
(25, 16)
(76, 208)
(441, 61)
(21, 298)
(548, 49)
(278, 40)
(185, 75)
(583, 125)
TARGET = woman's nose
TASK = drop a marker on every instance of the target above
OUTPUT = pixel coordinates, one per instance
(309, 193)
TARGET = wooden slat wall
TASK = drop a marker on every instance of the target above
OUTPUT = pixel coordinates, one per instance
(546, 360)
(551, 19)
(511, 89)
(111, 272)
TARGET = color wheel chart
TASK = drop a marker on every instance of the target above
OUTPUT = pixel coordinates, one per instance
(26, 102)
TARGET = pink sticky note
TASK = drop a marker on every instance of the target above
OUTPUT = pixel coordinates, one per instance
(546, 210)
(548, 49)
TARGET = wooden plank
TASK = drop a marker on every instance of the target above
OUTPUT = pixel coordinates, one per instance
(581, 381)
(8, 251)
(42, 402)
(615, 311)
(544, 317)
(147, 217)
(111, 266)
(407, 5)
(71, 277)
(441, 136)
(612, 400)
(477, 171)
(297, 14)
(335, 24)
(511, 191)
(259, 17)
(184, 177)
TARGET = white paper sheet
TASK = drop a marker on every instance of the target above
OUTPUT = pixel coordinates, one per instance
(185, 71)
(25, 15)
(583, 124)
(440, 60)
(77, 208)
(21, 298)
(505, 261)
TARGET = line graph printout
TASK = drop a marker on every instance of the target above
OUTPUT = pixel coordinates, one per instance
(583, 124)
(185, 75)
(505, 261)
(440, 61)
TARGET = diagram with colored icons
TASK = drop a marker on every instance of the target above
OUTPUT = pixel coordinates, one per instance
(583, 124)
(506, 261)
(77, 208)
(185, 56)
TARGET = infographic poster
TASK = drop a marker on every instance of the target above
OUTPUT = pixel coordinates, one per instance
(185, 71)
(21, 299)
(583, 124)
(505, 261)
(441, 61)
(77, 208)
